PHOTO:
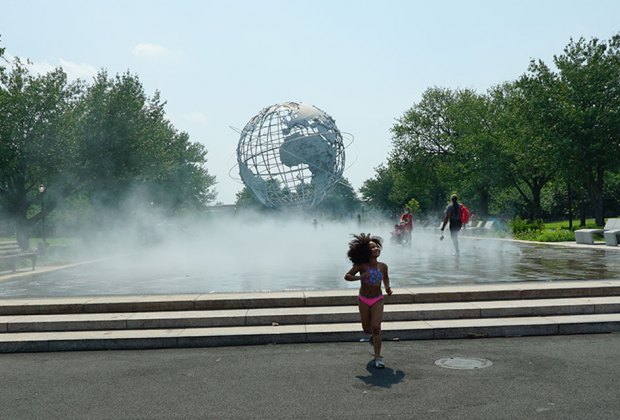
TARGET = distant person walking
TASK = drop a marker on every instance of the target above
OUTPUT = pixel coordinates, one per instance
(453, 216)
(363, 253)
(406, 221)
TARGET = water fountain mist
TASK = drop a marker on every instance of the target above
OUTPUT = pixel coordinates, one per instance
(291, 254)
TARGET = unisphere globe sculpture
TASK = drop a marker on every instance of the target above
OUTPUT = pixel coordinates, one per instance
(290, 155)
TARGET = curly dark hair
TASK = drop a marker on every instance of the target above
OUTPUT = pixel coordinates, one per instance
(359, 249)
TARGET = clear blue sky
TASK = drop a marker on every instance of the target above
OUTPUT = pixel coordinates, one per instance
(217, 63)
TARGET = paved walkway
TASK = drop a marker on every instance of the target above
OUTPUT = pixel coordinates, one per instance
(560, 377)
(554, 377)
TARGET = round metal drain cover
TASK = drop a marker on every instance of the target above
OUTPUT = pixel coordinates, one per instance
(463, 363)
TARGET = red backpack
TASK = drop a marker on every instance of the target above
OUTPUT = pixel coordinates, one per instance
(464, 214)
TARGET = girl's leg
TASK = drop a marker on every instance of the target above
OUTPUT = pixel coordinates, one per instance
(376, 316)
(365, 316)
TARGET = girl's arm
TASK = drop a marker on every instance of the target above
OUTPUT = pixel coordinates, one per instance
(351, 274)
(386, 280)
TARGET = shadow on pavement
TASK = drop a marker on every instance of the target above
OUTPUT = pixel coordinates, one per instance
(383, 378)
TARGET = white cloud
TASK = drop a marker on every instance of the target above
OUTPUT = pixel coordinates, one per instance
(195, 117)
(149, 50)
(40, 67)
(73, 70)
(78, 71)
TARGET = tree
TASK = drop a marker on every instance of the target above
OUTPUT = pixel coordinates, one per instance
(376, 191)
(107, 141)
(422, 150)
(244, 199)
(527, 141)
(478, 162)
(588, 111)
(339, 201)
(445, 143)
(521, 137)
(128, 145)
(35, 145)
(184, 183)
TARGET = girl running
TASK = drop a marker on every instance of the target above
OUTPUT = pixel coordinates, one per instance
(363, 253)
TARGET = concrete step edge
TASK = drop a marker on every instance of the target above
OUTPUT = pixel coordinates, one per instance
(235, 336)
(423, 294)
(306, 315)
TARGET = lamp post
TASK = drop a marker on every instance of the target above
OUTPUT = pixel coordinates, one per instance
(42, 192)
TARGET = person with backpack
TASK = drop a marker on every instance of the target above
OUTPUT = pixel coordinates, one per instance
(454, 213)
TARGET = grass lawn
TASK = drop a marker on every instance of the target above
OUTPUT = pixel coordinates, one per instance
(558, 231)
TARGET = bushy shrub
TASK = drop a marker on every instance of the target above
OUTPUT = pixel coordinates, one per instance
(525, 229)
(556, 235)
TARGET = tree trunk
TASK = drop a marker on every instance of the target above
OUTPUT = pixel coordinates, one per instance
(536, 207)
(483, 211)
(19, 210)
(22, 231)
(570, 206)
(597, 197)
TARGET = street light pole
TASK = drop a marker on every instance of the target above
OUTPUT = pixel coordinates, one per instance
(42, 192)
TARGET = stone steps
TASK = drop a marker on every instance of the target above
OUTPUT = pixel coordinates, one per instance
(306, 315)
(308, 333)
(423, 294)
(141, 322)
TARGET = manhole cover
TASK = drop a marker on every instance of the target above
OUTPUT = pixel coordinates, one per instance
(463, 363)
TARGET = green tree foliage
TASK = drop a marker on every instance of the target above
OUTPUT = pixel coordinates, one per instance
(35, 145)
(525, 139)
(376, 191)
(476, 165)
(340, 201)
(244, 199)
(502, 150)
(445, 143)
(589, 111)
(413, 205)
(107, 141)
(422, 149)
(128, 147)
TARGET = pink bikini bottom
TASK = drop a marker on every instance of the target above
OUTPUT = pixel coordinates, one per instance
(369, 301)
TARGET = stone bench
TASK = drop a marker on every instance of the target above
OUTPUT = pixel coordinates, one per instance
(11, 252)
(612, 227)
(612, 237)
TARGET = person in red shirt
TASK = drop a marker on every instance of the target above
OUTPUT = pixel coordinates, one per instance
(406, 222)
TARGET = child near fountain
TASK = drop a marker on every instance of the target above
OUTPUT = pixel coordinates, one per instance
(363, 253)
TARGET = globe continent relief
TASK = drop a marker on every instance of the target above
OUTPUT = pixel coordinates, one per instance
(290, 155)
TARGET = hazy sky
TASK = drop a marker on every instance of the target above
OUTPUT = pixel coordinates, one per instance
(218, 63)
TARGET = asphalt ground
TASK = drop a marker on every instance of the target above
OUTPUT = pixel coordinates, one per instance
(556, 377)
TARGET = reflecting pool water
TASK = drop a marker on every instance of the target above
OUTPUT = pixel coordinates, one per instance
(311, 259)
